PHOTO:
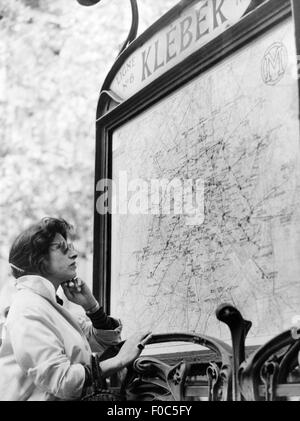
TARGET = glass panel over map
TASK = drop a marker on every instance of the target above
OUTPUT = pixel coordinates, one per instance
(235, 129)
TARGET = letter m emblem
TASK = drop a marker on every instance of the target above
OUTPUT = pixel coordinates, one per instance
(274, 63)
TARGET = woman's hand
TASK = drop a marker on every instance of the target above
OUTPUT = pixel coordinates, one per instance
(79, 293)
(132, 348)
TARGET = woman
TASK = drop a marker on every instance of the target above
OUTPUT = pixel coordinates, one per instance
(45, 353)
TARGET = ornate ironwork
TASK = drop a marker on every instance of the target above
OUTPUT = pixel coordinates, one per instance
(152, 379)
(239, 329)
(272, 371)
(269, 373)
(213, 375)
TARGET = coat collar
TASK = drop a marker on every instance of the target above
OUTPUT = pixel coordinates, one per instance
(45, 288)
(39, 285)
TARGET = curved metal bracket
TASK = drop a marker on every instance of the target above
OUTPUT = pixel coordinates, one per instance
(112, 96)
(134, 23)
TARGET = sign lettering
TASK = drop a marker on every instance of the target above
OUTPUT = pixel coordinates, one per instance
(196, 26)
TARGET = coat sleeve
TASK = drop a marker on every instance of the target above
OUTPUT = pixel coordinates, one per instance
(39, 351)
(100, 339)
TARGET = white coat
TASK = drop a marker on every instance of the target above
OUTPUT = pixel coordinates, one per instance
(44, 346)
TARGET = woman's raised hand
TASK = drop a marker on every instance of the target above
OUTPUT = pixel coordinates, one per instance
(78, 292)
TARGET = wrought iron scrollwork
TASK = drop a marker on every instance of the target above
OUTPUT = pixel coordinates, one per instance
(153, 380)
(269, 368)
(269, 373)
(269, 376)
(213, 375)
(239, 328)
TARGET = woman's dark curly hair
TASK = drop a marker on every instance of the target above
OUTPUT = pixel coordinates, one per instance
(31, 248)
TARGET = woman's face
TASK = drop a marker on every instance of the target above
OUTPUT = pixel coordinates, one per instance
(62, 261)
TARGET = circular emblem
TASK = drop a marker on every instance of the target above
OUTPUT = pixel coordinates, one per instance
(274, 63)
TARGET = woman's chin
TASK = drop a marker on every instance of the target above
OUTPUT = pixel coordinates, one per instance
(72, 273)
